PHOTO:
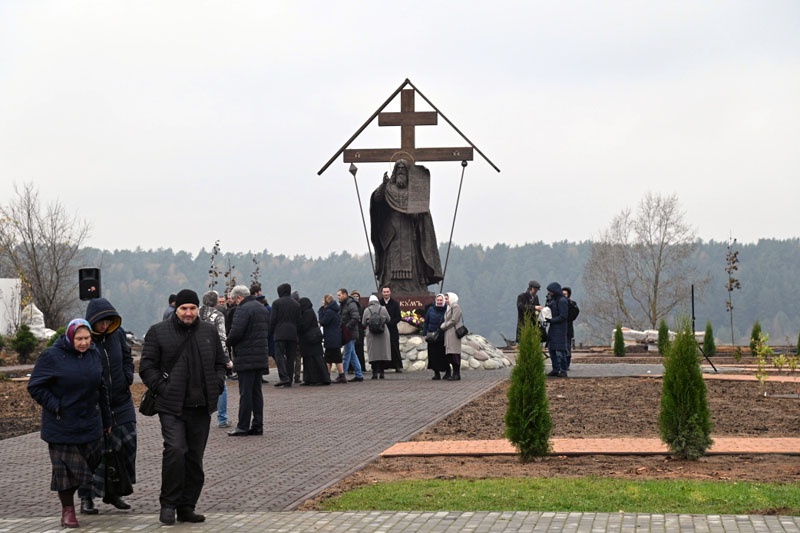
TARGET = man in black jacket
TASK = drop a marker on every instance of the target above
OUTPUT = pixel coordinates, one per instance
(283, 328)
(348, 316)
(248, 338)
(528, 306)
(393, 307)
(184, 366)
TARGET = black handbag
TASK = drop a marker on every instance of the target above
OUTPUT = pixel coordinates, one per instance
(147, 406)
(433, 336)
(117, 481)
(462, 331)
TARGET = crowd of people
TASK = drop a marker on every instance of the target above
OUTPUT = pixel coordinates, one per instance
(83, 380)
(554, 319)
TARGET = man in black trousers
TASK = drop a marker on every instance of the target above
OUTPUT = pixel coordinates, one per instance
(393, 307)
(184, 366)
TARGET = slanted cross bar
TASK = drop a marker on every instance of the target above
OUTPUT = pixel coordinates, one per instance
(407, 119)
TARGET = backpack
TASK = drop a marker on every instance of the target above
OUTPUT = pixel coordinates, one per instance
(572, 311)
(375, 323)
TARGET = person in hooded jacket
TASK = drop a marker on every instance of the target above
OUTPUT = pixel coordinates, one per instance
(452, 344)
(331, 332)
(437, 360)
(115, 356)
(315, 371)
(557, 332)
(283, 328)
(67, 381)
(379, 347)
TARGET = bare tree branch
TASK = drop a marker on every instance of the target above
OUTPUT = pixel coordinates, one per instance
(41, 245)
(638, 271)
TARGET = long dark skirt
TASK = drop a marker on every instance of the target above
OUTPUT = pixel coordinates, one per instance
(74, 464)
(436, 357)
(315, 371)
(122, 437)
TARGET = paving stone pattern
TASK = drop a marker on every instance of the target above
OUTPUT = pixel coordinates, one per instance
(315, 436)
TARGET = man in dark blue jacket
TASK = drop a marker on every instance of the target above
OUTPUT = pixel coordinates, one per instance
(248, 339)
(115, 355)
(557, 334)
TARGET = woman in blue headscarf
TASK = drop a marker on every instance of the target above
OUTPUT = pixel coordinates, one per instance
(67, 382)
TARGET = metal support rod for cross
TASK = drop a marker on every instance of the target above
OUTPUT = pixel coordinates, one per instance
(353, 170)
(699, 346)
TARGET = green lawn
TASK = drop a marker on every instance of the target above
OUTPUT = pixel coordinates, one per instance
(574, 494)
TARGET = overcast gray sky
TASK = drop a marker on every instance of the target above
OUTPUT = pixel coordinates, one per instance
(147, 117)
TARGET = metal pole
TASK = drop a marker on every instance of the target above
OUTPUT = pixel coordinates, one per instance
(453, 226)
(353, 170)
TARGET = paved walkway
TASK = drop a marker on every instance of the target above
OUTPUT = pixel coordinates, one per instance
(315, 436)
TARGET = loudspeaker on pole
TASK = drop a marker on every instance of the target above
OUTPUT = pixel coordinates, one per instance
(89, 283)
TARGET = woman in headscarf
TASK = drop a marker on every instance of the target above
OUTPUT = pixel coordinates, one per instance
(378, 346)
(452, 344)
(315, 371)
(117, 361)
(434, 317)
(67, 382)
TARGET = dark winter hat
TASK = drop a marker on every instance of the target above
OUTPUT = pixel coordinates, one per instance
(533, 284)
(186, 296)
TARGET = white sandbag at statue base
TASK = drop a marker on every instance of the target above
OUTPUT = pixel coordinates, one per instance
(34, 319)
(649, 337)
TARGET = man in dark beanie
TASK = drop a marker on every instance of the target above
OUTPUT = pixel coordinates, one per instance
(183, 365)
(528, 305)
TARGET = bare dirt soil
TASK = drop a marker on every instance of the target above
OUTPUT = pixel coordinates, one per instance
(605, 407)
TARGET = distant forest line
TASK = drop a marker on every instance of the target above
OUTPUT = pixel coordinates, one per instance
(487, 280)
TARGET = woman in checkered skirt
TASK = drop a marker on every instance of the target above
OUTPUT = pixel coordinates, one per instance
(67, 382)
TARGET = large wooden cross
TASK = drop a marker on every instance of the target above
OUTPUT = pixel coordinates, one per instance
(407, 119)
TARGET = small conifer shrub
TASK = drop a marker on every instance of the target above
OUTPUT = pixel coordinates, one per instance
(619, 341)
(24, 343)
(709, 346)
(755, 336)
(528, 422)
(684, 421)
(663, 337)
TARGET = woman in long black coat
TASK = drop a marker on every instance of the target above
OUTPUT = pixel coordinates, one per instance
(315, 371)
(434, 317)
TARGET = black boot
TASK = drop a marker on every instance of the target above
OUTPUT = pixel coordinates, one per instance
(436, 375)
(87, 506)
(117, 502)
(187, 514)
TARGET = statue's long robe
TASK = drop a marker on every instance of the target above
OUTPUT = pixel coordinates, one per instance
(406, 251)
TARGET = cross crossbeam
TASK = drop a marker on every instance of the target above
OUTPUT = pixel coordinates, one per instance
(408, 119)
